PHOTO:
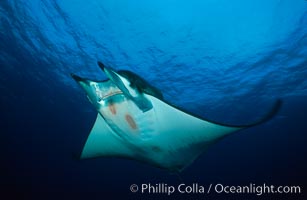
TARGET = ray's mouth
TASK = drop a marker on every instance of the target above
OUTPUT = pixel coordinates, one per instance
(112, 93)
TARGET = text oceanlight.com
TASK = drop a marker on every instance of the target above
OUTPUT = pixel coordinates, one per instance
(196, 188)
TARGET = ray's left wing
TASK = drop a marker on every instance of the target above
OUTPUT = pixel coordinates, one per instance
(102, 141)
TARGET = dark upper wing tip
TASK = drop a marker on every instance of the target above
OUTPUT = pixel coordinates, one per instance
(274, 110)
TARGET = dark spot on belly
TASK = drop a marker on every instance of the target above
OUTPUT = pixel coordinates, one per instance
(112, 108)
(131, 121)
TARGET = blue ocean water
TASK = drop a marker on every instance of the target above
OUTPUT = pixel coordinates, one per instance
(223, 60)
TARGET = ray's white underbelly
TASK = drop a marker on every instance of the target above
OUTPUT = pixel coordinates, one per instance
(128, 121)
